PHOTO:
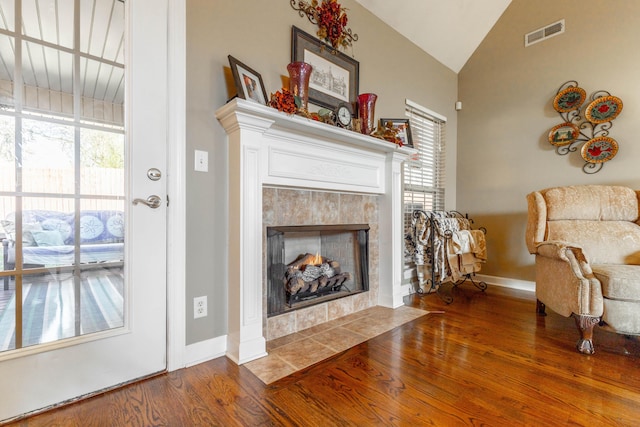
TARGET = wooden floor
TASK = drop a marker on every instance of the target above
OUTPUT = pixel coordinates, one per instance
(488, 360)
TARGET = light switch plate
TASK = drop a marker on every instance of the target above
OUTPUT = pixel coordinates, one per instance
(201, 161)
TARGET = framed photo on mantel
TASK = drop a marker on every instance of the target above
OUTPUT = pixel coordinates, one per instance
(403, 129)
(334, 78)
(248, 82)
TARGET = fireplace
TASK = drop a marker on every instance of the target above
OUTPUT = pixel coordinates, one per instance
(272, 153)
(312, 264)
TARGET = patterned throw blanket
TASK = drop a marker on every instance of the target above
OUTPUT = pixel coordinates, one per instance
(454, 251)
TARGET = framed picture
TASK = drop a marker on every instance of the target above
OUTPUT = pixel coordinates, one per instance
(248, 82)
(404, 130)
(334, 78)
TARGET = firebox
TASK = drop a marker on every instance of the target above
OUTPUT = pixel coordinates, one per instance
(310, 264)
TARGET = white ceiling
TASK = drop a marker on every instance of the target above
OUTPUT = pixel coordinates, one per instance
(448, 30)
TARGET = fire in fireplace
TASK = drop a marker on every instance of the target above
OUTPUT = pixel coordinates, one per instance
(297, 278)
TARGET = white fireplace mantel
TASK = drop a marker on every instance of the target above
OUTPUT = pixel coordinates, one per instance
(268, 147)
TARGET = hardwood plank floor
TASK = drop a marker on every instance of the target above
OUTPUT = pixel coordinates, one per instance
(488, 360)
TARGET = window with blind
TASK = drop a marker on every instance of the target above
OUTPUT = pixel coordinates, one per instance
(423, 174)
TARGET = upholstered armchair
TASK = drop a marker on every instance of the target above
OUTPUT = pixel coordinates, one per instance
(586, 240)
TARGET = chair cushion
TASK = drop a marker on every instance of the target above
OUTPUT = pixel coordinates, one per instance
(603, 242)
(619, 282)
(591, 202)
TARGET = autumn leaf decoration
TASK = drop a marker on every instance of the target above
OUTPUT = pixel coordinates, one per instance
(283, 101)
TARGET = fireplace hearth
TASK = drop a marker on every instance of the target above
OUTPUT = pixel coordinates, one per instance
(310, 264)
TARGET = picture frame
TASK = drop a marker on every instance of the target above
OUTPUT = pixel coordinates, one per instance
(404, 130)
(248, 82)
(329, 67)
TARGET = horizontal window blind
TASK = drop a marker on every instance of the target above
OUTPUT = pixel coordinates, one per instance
(423, 173)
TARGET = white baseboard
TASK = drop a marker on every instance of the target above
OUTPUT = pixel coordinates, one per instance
(205, 350)
(523, 285)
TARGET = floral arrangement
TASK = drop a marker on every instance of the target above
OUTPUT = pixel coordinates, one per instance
(284, 101)
(331, 19)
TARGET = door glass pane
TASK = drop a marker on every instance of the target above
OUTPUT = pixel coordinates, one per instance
(102, 29)
(48, 157)
(49, 20)
(7, 66)
(102, 92)
(48, 230)
(7, 16)
(101, 162)
(62, 188)
(7, 154)
(47, 74)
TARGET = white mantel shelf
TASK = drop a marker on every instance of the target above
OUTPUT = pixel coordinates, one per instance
(268, 147)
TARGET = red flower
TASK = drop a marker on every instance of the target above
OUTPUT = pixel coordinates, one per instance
(603, 108)
(596, 151)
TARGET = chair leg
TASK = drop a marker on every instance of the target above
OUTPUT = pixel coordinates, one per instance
(585, 326)
(540, 308)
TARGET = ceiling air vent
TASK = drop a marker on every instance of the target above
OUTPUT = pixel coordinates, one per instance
(544, 33)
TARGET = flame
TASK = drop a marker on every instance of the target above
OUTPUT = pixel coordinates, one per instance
(317, 260)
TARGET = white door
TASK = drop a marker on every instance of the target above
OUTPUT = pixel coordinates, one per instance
(82, 135)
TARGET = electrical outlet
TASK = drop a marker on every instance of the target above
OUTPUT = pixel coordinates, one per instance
(199, 307)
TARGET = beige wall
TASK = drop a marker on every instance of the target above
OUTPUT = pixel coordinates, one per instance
(258, 33)
(507, 92)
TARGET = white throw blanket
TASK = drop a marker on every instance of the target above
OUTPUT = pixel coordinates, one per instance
(466, 250)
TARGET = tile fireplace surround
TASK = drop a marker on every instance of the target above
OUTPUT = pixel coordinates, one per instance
(271, 151)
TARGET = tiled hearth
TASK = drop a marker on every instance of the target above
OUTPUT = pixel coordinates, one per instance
(350, 177)
(282, 206)
(299, 350)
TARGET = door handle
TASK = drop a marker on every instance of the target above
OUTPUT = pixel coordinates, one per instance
(152, 201)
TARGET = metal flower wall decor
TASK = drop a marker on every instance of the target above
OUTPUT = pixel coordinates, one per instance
(331, 19)
(593, 133)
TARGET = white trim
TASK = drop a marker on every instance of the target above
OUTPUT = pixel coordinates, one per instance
(417, 106)
(203, 351)
(176, 174)
(505, 282)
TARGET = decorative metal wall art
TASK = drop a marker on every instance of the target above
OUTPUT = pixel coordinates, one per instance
(331, 19)
(593, 132)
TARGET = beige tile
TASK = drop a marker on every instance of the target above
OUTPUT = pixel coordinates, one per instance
(361, 301)
(311, 316)
(284, 340)
(340, 307)
(270, 368)
(370, 209)
(279, 326)
(326, 207)
(303, 353)
(268, 206)
(351, 209)
(289, 211)
(340, 339)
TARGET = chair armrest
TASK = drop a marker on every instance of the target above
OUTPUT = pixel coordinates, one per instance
(565, 281)
(565, 251)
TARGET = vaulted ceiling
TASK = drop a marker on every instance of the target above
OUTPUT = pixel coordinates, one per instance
(448, 30)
